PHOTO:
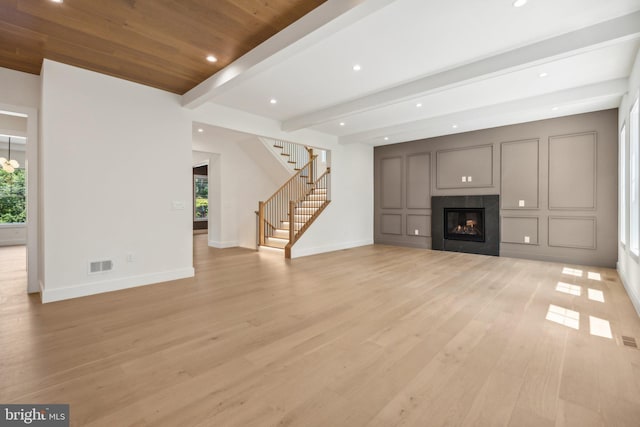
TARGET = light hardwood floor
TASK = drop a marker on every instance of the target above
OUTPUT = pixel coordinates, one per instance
(376, 336)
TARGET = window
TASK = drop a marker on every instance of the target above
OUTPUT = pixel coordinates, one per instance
(634, 195)
(201, 197)
(13, 202)
(623, 185)
(12, 197)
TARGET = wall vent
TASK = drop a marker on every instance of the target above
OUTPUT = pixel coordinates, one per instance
(100, 266)
(629, 342)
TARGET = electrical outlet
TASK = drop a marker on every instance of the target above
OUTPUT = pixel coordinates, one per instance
(527, 239)
(469, 178)
(464, 179)
(416, 232)
(131, 257)
(521, 203)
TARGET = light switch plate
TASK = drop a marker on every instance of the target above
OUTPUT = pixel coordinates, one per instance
(464, 179)
(527, 239)
(521, 203)
(177, 205)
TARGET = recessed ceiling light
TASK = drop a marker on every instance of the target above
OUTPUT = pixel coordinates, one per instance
(418, 105)
(57, 1)
(543, 75)
(454, 126)
(341, 123)
(200, 130)
(273, 101)
(212, 58)
(555, 108)
(519, 3)
(386, 138)
(357, 67)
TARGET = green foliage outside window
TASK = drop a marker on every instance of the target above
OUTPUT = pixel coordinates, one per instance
(201, 184)
(13, 206)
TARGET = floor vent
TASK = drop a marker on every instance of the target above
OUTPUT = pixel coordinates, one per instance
(629, 342)
(100, 266)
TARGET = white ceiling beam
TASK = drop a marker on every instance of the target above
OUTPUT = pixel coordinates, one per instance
(325, 20)
(419, 129)
(615, 30)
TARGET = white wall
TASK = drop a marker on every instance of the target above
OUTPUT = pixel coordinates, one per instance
(238, 179)
(348, 220)
(115, 155)
(19, 88)
(628, 265)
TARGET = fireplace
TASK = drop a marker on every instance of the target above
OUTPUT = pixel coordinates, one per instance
(468, 224)
(464, 224)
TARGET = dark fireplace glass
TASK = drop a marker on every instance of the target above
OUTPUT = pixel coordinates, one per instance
(464, 224)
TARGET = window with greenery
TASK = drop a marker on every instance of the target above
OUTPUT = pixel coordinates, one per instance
(201, 197)
(13, 203)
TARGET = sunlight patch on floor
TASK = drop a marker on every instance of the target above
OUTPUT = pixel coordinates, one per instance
(570, 289)
(563, 316)
(595, 295)
(600, 327)
(572, 272)
(594, 276)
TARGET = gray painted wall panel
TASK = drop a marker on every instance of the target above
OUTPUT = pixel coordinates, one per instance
(391, 224)
(572, 232)
(455, 165)
(419, 181)
(421, 223)
(597, 131)
(572, 171)
(391, 180)
(516, 228)
(519, 174)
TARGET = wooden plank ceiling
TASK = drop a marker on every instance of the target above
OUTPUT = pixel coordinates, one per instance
(159, 43)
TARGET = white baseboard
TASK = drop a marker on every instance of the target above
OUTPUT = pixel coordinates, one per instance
(59, 294)
(328, 248)
(635, 298)
(17, 242)
(223, 245)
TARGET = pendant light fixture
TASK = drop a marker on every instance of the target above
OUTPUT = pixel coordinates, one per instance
(9, 165)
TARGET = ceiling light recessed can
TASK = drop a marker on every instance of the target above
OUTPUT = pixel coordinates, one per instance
(519, 3)
(555, 108)
(386, 138)
(454, 126)
(357, 67)
(543, 75)
(418, 105)
(211, 58)
(57, 1)
(273, 101)
(200, 130)
(341, 123)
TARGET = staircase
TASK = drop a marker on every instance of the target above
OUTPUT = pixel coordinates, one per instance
(286, 215)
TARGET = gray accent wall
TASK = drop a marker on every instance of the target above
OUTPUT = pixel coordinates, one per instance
(557, 181)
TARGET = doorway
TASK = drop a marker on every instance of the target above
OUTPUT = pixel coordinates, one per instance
(19, 191)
